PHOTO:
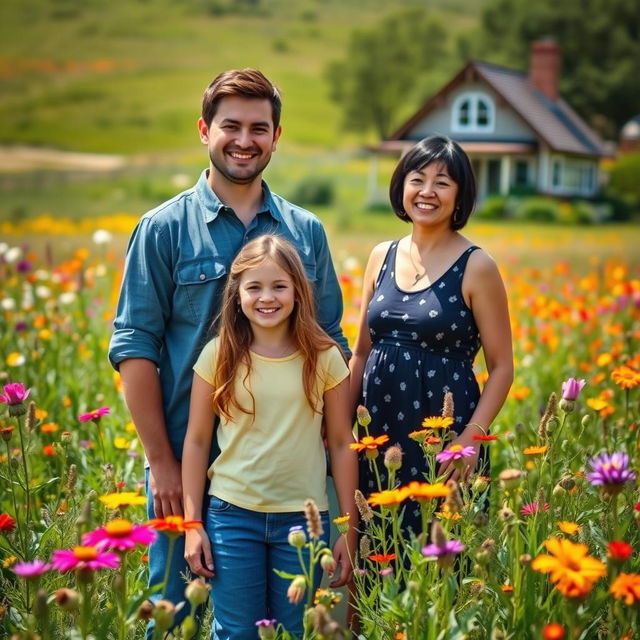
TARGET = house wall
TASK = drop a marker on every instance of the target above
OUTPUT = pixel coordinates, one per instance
(509, 127)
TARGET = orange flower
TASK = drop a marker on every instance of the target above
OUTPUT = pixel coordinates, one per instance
(507, 588)
(49, 427)
(626, 377)
(382, 557)
(369, 443)
(553, 631)
(389, 498)
(174, 525)
(536, 450)
(48, 450)
(571, 569)
(570, 528)
(422, 491)
(437, 422)
(627, 587)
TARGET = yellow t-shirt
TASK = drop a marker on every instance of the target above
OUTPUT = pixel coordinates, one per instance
(274, 461)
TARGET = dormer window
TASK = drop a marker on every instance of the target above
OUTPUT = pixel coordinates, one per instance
(473, 113)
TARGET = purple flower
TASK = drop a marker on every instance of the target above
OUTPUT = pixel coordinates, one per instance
(14, 393)
(455, 452)
(571, 388)
(266, 629)
(611, 471)
(32, 569)
(450, 547)
(21, 326)
(24, 266)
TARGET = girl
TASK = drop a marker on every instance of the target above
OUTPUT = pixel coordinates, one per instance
(271, 376)
(430, 301)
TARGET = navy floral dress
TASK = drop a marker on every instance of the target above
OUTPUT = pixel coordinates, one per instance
(423, 345)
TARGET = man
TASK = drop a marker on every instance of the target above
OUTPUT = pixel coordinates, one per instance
(177, 261)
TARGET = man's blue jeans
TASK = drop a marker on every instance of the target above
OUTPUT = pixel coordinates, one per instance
(247, 547)
(158, 556)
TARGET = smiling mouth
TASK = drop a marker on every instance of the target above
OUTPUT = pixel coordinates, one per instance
(425, 207)
(267, 311)
(238, 155)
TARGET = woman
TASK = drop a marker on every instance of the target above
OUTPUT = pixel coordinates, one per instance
(430, 301)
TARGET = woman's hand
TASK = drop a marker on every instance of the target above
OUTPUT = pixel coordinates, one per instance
(342, 558)
(469, 463)
(198, 554)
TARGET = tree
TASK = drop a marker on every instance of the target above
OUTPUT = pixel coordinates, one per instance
(383, 66)
(600, 42)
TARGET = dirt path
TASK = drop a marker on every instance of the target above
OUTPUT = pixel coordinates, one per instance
(18, 159)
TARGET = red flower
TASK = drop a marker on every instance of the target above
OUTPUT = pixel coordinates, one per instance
(485, 438)
(48, 450)
(7, 523)
(382, 557)
(619, 550)
(553, 631)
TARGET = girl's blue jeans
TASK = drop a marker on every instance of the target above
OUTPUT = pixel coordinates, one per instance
(247, 547)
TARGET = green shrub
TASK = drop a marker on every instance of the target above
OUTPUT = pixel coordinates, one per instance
(537, 209)
(623, 179)
(313, 190)
(492, 208)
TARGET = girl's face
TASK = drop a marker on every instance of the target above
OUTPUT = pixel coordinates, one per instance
(429, 195)
(267, 296)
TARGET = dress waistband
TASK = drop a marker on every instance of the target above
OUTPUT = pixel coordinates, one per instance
(399, 344)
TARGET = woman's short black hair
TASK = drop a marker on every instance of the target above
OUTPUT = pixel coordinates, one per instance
(448, 152)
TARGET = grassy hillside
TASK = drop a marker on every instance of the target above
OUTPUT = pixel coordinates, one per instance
(127, 76)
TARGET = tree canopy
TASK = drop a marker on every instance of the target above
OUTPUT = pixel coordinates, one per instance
(600, 43)
(383, 67)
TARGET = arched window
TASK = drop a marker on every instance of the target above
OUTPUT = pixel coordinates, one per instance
(473, 112)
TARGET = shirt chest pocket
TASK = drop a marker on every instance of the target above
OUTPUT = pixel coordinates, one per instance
(199, 285)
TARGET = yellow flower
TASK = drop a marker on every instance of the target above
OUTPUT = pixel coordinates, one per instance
(536, 450)
(421, 491)
(437, 422)
(15, 359)
(121, 443)
(41, 414)
(122, 499)
(9, 561)
(342, 523)
(572, 571)
(369, 443)
(130, 427)
(570, 528)
(389, 498)
(627, 587)
(626, 377)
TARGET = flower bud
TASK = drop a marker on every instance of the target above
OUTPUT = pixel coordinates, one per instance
(296, 589)
(505, 514)
(586, 419)
(362, 415)
(297, 537)
(568, 406)
(67, 599)
(266, 629)
(567, 482)
(164, 613)
(552, 424)
(510, 479)
(525, 559)
(327, 561)
(145, 610)
(6, 433)
(393, 458)
(558, 491)
(197, 592)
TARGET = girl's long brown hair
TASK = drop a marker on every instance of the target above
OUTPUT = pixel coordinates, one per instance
(235, 335)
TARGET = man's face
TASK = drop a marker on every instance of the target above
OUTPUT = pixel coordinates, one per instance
(240, 138)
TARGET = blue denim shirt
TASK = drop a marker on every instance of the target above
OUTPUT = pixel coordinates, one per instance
(175, 270)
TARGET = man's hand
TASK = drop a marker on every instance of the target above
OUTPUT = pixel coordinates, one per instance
(166, 489)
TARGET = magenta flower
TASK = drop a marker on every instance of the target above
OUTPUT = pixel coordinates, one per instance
(266, 629)
(455, 452)
(449, 548)
(532, 508)
(84, 559)
(32, 569)
(14, 393)
(611, 471)
(571, 388)
(119, 534)
(96, 414)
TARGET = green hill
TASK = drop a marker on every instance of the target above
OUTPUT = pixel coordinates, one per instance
(127, 76)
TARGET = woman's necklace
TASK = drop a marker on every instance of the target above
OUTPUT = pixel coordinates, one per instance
(418, 275)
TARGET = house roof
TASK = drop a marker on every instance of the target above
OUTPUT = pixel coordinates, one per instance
(554, 122)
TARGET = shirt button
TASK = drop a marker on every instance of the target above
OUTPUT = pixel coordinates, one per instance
(202, 276)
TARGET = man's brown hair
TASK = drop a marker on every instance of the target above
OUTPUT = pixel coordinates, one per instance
(245, 83)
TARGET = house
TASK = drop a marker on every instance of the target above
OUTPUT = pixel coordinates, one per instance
(517, 130)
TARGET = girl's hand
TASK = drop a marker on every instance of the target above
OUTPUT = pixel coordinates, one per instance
(198, 554)
(449, 470)
(341, 556)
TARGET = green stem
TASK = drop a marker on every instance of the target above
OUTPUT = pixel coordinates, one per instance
(27, 489)
(122, 631)
(85, 611)
(15, 506)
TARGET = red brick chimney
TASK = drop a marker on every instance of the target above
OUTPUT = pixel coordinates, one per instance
(544, 72)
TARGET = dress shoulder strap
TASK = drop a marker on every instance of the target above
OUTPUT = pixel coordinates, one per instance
(388, 262)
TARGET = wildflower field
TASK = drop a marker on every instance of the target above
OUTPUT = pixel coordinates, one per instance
(544, 545)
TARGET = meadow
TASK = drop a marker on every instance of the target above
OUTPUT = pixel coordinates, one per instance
(555, 555)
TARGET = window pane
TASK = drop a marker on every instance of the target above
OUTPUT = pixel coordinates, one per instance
(483, 113)
(463, 113)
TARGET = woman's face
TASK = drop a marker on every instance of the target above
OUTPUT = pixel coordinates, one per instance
(430, 195)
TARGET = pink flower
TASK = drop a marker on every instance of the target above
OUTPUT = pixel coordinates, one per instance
(455, 452)
(14, 393)
(571, 388)
(96, 414)
(119, 534)
(84, 558)
(31, 569)
(533, 508)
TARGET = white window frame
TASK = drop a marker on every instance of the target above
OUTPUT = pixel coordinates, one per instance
(474, 98)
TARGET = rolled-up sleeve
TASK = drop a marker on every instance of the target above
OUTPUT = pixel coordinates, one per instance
(145, 301)
(328, 292)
